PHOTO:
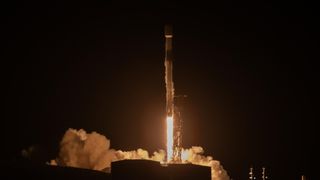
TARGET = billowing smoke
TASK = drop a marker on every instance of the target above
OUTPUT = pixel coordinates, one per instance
(84, 150)
(194, 156)
(92, 151)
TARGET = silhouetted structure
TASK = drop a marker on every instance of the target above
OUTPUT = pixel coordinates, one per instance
(120, 170)
(187, 171)
(136, 169)
(145, 169)
(47, 172)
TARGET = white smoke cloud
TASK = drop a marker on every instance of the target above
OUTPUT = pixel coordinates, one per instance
(92, 151)
(84, 150)
(194, 156)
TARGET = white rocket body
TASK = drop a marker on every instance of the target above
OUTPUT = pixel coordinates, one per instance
(168, 66)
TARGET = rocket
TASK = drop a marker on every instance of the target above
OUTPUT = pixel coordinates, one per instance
(174, 120)
(168, 71)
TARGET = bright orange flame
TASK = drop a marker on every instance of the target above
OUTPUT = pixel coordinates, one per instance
(169, 138)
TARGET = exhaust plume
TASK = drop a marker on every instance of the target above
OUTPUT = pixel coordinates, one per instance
(92, 151)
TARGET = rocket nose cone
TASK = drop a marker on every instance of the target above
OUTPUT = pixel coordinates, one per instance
(168, 31)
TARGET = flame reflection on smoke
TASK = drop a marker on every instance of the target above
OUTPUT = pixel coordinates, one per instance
(92, 151)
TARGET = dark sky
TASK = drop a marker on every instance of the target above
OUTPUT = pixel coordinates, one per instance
(248, 69)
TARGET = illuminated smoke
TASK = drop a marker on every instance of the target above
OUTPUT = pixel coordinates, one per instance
(92, 151)
(194, 156)
(84, 150)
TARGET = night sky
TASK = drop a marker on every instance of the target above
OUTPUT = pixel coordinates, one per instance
(248, 68)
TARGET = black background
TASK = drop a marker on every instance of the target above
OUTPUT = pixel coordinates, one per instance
(248, 68)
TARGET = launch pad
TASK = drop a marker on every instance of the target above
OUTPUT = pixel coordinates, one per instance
(172, 167)
(146, 169)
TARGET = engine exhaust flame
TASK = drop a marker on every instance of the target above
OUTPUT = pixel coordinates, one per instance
(169, 138)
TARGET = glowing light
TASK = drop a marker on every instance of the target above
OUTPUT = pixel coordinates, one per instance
(169, 138)
(184, 155)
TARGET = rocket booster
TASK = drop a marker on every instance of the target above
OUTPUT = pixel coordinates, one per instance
(173, 114)
(168, 67)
